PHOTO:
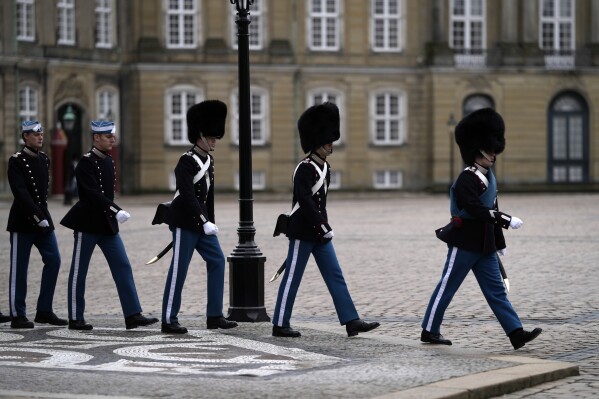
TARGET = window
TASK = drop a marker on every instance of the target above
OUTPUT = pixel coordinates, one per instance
(25, 20)
(388, 179)
(476, 102)
(28, 103)
(104, 23)
(468, 31)
(66, 22)
(557, 33)
(388, 118)
(258, 181)
(324, 18)
(387, 25)
(322, 95)
(178, 100)
(107, 106)
(568, 124)
(181, 21)
(258, 115)
(335, 183)
(256, 27)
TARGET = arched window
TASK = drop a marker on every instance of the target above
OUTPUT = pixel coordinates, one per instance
(178, 99)
(477, 101)
(568, 139)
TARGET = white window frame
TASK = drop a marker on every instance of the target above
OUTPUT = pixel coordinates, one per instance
(256, 116)
(335, 182)
(330, 94)
(387, 180)
(470, 54)
(181, 16)
(66, 26)
(559, 54)
(257, 27)
(104, 12)
(324, 18)
(384, 22)
(171, 118)
(28, 105)
(258, 180)
(25, 20)
(107, 104)
(388, 117)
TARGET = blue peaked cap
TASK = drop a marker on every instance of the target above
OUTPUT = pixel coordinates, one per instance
(31, 126)
(103, 127)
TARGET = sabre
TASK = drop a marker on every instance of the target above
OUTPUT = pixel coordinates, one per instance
(161, 254)
(506, 281)
(278, 273)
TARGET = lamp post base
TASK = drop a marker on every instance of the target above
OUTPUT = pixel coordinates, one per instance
(246, 289)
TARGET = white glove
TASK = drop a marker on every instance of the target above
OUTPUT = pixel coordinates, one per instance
(122, 216)
(210, 229)
(502, 252)
(516, 223)
(44, 223)
(330, 234)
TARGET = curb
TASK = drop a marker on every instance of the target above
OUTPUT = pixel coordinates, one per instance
(527, 373)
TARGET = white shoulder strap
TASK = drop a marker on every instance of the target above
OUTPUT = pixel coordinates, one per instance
(322, 176)
(201, 173)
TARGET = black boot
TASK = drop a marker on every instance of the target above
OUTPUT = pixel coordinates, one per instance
(357, 326)
(520, 337)
(49, 318)
(173, 328)
(219, 322)
(4, 318)
(285, 332)
(431, 338)
(79, 325)
(137, 320)
(21, 322)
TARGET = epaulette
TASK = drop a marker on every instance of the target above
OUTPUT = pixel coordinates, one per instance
(306, 160)
(16, 154)
(87, 154)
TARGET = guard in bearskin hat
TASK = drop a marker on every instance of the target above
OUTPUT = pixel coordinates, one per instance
(95, 220)
(190, 217)
(30, 224)
(474, 235)
(308, 227)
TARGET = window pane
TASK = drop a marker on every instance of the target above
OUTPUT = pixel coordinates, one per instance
(575, 138)
(559, 138)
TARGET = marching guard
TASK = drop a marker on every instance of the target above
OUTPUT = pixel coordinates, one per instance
(30, 224)
(190, 217)
(474, 235)
(308, 228)
(94, 220)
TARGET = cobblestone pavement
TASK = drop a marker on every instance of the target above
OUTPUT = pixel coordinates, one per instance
(391, 261)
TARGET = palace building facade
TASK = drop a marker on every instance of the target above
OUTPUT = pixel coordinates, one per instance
(402, 72)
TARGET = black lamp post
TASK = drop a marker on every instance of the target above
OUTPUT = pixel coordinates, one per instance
(246, 262)
(451, 122)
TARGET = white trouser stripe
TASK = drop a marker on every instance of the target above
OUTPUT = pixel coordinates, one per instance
(13, 274)
(76, 262)
(296, 245)
(431, 317)
(171, 291)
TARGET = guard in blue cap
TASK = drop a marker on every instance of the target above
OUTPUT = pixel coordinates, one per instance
(94, 219)
(30, 224)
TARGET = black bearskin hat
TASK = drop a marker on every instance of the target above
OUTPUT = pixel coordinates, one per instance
(318, 125)
(480, 130)
(206, 119)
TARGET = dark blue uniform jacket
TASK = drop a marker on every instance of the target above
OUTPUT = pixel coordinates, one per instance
(95, 211)
(28, 176)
